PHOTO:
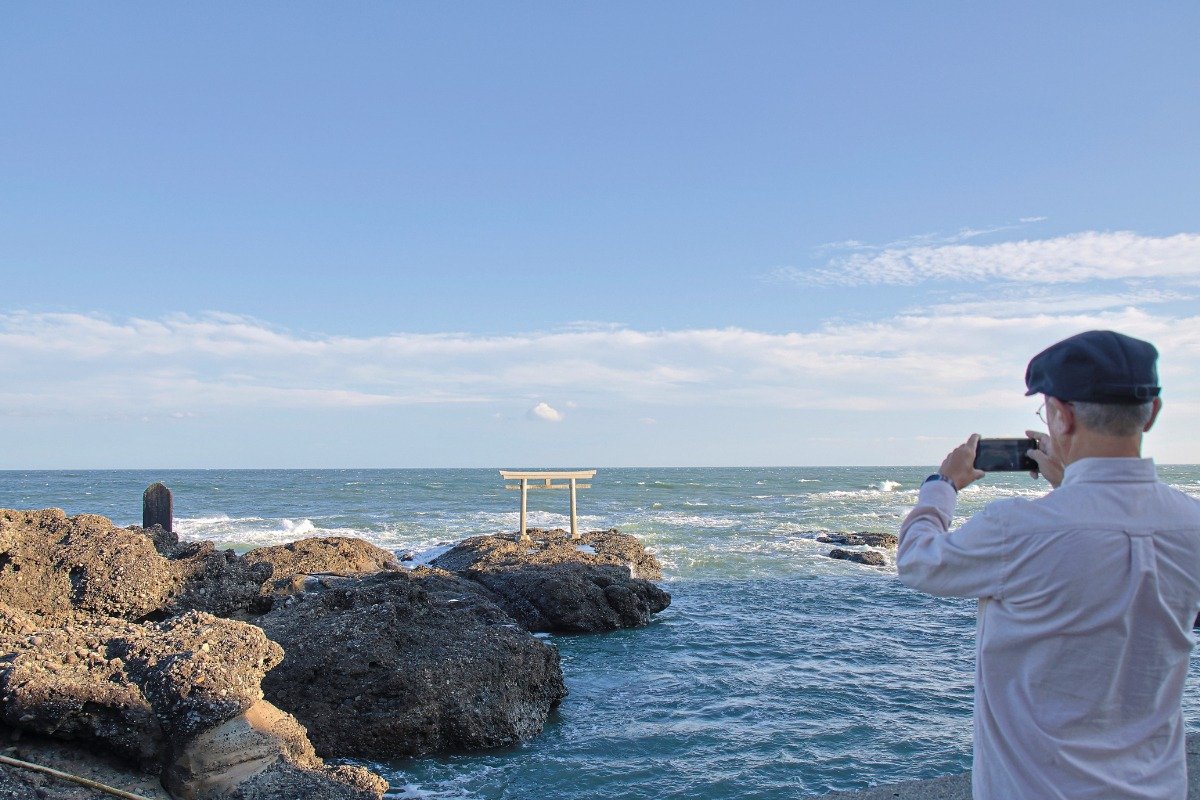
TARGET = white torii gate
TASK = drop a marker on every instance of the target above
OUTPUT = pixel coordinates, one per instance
(545, 480)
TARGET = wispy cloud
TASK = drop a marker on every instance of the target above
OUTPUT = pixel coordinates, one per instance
(933, 239)
(1022, 301)
(1077, 258)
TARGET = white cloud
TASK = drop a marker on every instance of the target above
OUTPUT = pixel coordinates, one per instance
(544, 411)
(1077, 258)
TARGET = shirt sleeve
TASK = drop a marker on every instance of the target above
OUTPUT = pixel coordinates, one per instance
(966, 562)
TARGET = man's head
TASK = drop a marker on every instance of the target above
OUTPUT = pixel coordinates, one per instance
(1101, 391)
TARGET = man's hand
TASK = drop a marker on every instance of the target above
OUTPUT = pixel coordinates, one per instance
(1049, 464)
(959, 466)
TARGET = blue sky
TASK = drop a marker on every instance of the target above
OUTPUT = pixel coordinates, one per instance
(536, 234)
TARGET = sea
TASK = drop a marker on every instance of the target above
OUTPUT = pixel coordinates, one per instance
(777, 671)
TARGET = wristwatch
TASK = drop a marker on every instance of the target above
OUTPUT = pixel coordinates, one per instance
(937, 476)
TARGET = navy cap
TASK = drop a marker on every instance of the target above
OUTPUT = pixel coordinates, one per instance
(1096, 367)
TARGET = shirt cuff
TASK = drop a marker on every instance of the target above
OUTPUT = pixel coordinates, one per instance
(940, 495)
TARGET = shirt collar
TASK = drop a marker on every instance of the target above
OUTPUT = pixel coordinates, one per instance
(1105, 470)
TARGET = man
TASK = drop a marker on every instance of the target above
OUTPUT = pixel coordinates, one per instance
(1087, 595)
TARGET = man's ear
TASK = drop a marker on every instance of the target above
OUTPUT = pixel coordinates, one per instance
(1153, 414)
(1065, 412)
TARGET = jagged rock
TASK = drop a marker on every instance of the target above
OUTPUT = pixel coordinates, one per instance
(160, 695)
(217, 581)
(57, 568)
(401, 663)
(555, 583)
(862, 538)
(871, 558)
(54, 568)
(294, 563)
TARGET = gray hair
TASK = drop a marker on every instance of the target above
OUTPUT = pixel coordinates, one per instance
(1113, 419)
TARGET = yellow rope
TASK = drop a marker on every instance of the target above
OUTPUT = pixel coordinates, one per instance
(16, 762)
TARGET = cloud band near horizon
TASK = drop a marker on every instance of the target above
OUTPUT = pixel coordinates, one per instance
(183, 365)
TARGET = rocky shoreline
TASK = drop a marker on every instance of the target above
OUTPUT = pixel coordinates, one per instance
(181, 671)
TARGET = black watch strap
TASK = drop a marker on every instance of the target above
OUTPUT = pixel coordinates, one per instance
(937, 476)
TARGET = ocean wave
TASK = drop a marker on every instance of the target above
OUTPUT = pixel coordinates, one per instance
(873, 492)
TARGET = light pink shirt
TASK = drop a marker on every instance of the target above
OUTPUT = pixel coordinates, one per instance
(1086, 602)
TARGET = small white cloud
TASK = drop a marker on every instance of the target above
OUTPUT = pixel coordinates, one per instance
(544, 411)
(648, 421)
(1028, 220)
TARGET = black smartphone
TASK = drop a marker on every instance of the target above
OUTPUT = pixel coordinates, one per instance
(1005, 455)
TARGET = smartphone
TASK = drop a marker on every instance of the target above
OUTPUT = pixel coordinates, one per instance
(1005, 455)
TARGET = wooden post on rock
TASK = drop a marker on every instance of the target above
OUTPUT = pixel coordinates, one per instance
(157, 507)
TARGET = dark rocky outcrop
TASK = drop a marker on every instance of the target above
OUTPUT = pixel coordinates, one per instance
(296, 563)
(871, 558)
(600, 582)
(161, 696)
(403, 663)
(866, 538)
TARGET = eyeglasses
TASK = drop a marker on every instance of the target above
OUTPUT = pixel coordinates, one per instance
(1041, 412)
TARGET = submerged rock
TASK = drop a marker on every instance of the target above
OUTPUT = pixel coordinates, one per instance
(554, 583)
(862, 538)
(400, 663)
(871, 558)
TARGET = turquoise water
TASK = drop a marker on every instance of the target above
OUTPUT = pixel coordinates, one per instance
(777, 672)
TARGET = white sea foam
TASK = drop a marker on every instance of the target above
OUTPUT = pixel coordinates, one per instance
(682, 520)
(304, 527)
